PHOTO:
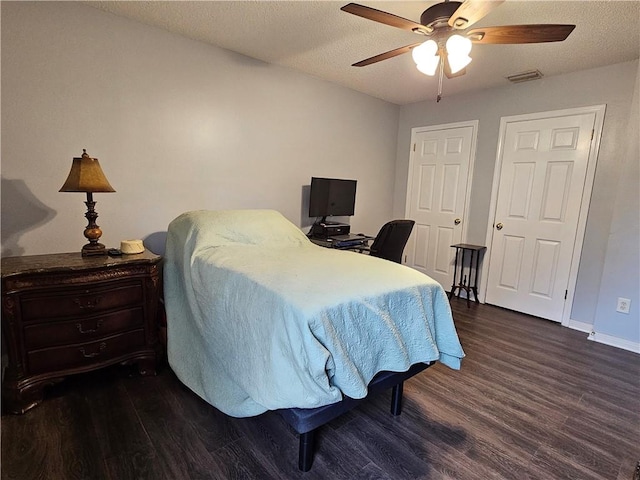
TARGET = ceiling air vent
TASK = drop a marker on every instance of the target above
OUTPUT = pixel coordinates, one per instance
(525, 76)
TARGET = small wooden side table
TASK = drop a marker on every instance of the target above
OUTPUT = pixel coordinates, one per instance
(468, 284)
(64, 314)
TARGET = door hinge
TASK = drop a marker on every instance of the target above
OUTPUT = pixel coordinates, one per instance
(566, 292)
(414, 147)
(592, 133)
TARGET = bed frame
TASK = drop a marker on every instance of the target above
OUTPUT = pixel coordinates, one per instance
(306, 421)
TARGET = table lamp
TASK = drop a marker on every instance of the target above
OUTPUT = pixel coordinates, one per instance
(87, 176)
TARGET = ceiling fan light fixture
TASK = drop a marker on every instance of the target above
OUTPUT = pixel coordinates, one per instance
(425, 52)
(426, 58)
(458, 46)
(458, 62)
(430, 66)
(458, 49)
(451, 52)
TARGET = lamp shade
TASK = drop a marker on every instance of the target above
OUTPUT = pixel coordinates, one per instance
(86, 176)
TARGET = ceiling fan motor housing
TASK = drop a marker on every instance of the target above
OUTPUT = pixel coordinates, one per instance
(438, 15)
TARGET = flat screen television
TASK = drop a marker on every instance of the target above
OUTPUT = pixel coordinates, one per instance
(332, 197)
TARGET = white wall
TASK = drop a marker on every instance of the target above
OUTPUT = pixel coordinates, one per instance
(612, 85)
(177, 125)
(621, 272)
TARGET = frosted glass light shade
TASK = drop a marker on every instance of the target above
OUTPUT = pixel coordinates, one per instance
(458, 45)
(429, 66)
(458, 49)
(457, 63)
(426, 57)
(424, 52)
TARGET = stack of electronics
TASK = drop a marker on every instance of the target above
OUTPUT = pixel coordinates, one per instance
(348, 241)
(329, 229)
(333, 197)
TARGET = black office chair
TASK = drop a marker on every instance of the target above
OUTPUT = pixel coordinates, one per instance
(391, 240)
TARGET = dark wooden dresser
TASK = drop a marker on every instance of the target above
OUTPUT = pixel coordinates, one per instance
(64, 314)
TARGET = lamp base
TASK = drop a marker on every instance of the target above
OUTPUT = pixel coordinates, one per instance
(93, 250)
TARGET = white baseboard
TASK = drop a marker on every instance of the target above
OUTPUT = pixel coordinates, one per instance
(581, 326)
(615, 341)
(603, 337)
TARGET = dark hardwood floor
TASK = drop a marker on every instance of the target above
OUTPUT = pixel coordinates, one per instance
(533, 400)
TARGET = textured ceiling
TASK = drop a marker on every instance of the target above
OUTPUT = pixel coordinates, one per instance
(317, 38)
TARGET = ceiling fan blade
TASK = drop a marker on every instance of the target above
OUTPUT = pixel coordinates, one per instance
(386, 55)
(507, 34)
(381, 17)
(471, 11)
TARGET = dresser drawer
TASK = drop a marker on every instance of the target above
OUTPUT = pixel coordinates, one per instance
(82, 354)
(80, 301)
(50, 334)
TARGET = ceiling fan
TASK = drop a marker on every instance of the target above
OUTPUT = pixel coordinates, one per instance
(449, 41)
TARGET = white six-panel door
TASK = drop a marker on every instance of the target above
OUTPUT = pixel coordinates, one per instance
(437, 196)
(542, 179)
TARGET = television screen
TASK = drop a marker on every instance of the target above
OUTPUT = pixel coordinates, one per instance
(332, 197)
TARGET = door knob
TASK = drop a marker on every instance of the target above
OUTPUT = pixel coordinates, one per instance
(457, 221)
(499, 226)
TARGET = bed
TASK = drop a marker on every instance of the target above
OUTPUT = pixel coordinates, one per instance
(259, 318)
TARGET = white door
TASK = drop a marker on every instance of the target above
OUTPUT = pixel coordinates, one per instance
(437, 196)
(540, 190)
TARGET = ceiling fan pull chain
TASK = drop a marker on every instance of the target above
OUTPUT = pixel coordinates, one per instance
(440, 82)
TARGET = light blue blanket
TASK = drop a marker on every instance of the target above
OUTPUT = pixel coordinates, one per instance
(259, 318)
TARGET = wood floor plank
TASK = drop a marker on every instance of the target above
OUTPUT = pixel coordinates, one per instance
(271, 444)
(371, 472)
(214, 429)
(397, 456)
(438, 443)
(127, 449)
(25, 441)
(115, 420)
(141, 464)
(180, 450)
(558, 465)
(574, 447)
(62, 448)
(239, 459)
(504, 447)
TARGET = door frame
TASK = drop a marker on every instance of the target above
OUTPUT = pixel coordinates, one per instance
(472, 158)
(599, 111)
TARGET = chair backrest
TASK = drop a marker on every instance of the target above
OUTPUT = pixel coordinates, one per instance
(391, 240)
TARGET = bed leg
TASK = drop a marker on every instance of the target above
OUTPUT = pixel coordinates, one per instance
(305, 456)
(396, 399)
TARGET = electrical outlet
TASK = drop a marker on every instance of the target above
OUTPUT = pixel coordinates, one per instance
(624, 304)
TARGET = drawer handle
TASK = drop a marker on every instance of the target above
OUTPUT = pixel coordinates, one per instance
(103, 347)
(93, 303)
(91, 330)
